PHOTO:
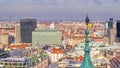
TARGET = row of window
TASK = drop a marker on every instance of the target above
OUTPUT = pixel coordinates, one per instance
(13, 64)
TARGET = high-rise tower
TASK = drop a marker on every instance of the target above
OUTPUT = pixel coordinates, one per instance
(26, 28)
(111, 32)
(118, 30)
(110, 23)
(87, 63)
(18, 34)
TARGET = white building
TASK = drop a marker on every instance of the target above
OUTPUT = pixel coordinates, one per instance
(55, 54)
(52, 25)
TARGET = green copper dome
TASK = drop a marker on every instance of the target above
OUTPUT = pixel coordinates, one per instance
(87, 63)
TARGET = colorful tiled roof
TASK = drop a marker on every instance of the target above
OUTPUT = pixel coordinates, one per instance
(57, 50)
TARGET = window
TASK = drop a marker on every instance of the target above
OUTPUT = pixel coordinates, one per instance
(6, 63)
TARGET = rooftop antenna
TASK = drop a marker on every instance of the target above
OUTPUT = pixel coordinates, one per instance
(9, 18)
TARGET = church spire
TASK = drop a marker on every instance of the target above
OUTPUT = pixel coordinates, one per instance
(87, 20)
(87, 63)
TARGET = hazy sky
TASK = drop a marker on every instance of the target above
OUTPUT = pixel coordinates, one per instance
(60, 9)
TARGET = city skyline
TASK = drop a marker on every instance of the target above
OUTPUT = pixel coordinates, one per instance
(60, 9)
(30, 43)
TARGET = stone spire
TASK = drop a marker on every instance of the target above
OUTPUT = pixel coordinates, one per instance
(87, 63)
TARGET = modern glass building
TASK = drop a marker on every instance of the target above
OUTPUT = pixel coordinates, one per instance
(26, 28)
(110, 23)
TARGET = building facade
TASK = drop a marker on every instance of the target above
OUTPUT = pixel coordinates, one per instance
(111, 32)
(111, 36)
(118, 30)
(26, 28)
(18, 34)
(55, 54)
(14, 63)
(4, 41)
(46, 37)
(110, 23)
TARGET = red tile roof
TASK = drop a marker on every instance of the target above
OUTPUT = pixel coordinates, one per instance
(57, 51)
(23, 45)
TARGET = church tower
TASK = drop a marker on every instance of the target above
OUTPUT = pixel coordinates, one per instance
(87, 63)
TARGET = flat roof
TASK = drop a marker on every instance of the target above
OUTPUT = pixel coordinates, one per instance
(45, 30)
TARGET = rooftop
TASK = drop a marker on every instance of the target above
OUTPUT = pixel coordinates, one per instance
(57, 50)
(11, 59)
(45, 30)
(115, 61)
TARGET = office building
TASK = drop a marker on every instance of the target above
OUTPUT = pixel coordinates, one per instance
(111, 32)
(46, 37)
(18, 34)
(110, 23)
(106, 27)
(26, 28)
(118, 30)
(111, 35)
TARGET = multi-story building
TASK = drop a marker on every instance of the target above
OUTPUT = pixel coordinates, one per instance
(55, 54)
(18, 36)
(111, 35)
(111, 31)
(14, 63)
(4, 40)
(46, 37)
(118, 30)
(110, 23)
(27, 26)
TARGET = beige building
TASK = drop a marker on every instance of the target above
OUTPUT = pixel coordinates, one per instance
(4, 39)
(76, 40)
(18, 34)
(111, 36)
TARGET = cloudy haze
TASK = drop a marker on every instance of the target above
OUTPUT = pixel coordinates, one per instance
(60, 9)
